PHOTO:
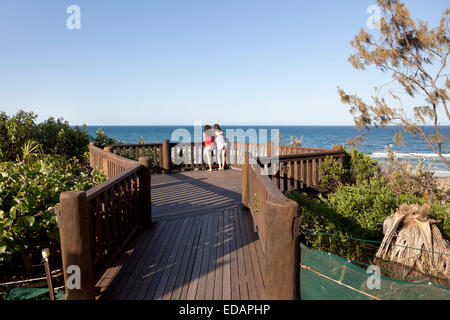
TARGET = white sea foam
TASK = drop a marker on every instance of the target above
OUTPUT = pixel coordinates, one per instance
(401, 155)
(441, 173)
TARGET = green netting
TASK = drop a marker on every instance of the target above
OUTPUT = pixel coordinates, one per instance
(324, 276)
(33, 294)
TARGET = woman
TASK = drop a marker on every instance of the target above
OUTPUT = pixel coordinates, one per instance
(208, 142)
(221, 144)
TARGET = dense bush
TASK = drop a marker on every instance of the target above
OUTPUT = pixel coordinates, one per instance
(362, 196)
(358, 211)
(418, 180)
(355, 167)
(28, 192)
(38, 161)
(102, 140)
(53, 136)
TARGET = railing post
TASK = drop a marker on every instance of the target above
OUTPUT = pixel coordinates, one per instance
(108, 149)
(339, 148)
(92, 163)
(74, 230)
(269, 149)
(280, 268)
(105, 162)
(145, 202)
(166, 159)
(245, 168)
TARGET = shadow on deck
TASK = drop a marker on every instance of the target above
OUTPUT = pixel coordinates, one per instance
(202, 244)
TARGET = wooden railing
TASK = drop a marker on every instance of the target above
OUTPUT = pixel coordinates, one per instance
(95, 225)
(274, 215)
(300, 171)
(166, 156)
(159, 153)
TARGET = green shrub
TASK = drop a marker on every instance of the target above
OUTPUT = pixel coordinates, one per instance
(418, 180)
(28, 192)
(102, 140)
(14, 132)
(355, 168)
(54, 136)
(58, 137)
(358, 211)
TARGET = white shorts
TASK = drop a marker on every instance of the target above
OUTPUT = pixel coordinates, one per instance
(209, 149)
(221, 146)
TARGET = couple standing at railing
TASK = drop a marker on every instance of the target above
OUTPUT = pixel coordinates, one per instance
(213, 138)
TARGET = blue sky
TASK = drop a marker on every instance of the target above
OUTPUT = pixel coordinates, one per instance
(275, 62)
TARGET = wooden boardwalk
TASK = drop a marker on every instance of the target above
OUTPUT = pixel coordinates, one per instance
(202, 244)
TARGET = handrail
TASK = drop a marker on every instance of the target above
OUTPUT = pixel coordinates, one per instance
(299, 171)
(108, 184)
(273, 217)
(95, 225)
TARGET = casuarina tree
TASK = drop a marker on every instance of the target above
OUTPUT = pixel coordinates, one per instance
(416, 56)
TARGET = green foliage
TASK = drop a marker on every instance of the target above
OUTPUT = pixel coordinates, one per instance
(38, 161)
(28, 192)
(355, 168)
(14, 132)
(417, 180)
(415, 55)
(52, 136)
(102, 140)
(358, 211)
(58, 137)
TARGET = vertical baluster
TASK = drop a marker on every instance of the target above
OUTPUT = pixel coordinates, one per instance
(120, 228)
(125, 206)
(135, 199)
(291, 175)
(113, 206)
(304, 163)
(98, 232)
(106, 224)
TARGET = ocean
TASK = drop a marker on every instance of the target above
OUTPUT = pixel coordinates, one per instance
(374, 143)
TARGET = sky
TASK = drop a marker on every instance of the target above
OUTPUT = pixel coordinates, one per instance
(173, 62)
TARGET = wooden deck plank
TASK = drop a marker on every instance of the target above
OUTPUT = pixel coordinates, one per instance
(114, 274)
(194, 250)
(252, 238)
(175, 269)
(160, 263)
(210, 280)
(247, 259)
(176, 293)
(144, 274)
(134, 278)
(203, 248)
(243, 283)
(144, 246)
(171, 261)
(234, 276)
(193, 284)
(218, 293)
(201, 287)
(226, 275)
